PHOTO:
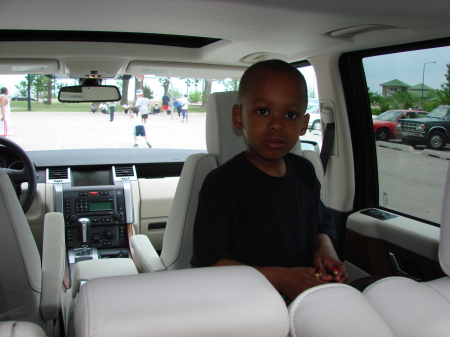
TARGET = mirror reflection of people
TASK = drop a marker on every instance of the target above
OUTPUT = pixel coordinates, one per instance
(5, 114)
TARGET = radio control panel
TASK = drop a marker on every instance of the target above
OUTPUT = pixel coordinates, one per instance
(104, 206)
(100, 206)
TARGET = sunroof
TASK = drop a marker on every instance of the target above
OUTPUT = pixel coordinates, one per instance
(117, 37)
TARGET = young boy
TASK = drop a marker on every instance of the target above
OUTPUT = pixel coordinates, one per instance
(142, 104)
(262, 208)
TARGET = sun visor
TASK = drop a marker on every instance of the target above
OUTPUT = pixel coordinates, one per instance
(184, 70)
(102, 69)
(28, 66)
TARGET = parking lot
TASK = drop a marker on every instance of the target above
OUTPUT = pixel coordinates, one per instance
(84, 130)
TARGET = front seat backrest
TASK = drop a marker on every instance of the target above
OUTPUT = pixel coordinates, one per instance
(20, 263)
(29, 292)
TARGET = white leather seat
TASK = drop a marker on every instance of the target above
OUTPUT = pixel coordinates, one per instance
(20, 329)
(335, 310)
(201, 302)
(413, 308)
(223, 142)
(404, 306)
(28, 291)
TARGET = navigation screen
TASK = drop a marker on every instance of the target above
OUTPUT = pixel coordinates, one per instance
(91, 178)
(101, 205)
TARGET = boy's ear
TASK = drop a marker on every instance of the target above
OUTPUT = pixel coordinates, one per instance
(237, 116)
(304, 124)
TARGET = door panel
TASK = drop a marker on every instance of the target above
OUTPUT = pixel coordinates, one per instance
(397, 246)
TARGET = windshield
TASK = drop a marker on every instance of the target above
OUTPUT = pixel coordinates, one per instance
(439, 112)
(44, 123)
(390, 116)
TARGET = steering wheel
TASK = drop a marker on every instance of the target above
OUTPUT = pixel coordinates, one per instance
(27, 174)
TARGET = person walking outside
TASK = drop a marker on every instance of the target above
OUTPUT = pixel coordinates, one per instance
(177, 105)
(112, 109)
(5, 116)
(165, 103)
(142, 103)
(184, 109)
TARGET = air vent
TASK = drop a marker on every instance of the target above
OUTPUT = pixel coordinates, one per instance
(124, 172)
(58, 175)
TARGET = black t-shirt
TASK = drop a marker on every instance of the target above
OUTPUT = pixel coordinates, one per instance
(256, 219)
(165, 100)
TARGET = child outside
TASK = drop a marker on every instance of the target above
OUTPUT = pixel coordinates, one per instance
(184, 108)
(262, 208)
(139, 129)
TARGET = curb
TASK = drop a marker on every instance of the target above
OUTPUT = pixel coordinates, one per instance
(394, 146)
(436, 154)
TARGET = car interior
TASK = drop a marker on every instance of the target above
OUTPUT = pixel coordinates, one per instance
(97, 235)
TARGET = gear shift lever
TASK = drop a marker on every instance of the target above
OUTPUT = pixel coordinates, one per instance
(83, 226)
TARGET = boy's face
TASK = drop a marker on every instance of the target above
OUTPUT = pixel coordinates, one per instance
(272, 115)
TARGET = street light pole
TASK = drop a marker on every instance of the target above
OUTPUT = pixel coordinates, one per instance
(423, 80)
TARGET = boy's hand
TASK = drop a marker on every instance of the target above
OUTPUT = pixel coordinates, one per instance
(296, 280)
(332, 270)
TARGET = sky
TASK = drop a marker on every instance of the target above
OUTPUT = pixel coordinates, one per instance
(408, 67)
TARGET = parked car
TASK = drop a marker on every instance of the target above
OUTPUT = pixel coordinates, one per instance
(433, 131)
(22, 98)
(313, 110)
(384, 124)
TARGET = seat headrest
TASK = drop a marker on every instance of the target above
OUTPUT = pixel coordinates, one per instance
(444, 243)
(223, 140)
(214, 301)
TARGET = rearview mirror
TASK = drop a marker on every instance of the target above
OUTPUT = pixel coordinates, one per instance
(79, 93)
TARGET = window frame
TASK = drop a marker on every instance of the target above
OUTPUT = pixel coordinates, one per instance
(360, 122)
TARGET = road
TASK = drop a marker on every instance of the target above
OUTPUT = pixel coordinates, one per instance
(75, 130)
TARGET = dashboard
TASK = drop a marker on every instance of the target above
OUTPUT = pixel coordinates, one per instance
(100, 185)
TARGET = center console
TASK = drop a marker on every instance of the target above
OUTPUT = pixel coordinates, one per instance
(96, 212)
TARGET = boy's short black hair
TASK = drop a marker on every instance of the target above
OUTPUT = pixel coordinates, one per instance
(3, 90)
(274, 65)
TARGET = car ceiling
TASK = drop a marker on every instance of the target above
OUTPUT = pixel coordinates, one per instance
(248, 30)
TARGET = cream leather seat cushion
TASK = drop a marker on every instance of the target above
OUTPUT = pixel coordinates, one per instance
(216, 301)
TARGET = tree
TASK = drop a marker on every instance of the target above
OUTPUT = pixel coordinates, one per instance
(22, 87)
(165, 82)
(195, 96)
(177, 93)
(125, 82)
(230, 84)
(444, 94)
(147, 92)
(378, 103)
(191, 82)
(404, 100)
(48, 84)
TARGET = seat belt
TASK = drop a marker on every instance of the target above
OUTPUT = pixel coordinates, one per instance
(327, 145)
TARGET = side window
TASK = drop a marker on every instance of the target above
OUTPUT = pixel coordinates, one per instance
(409, 93)
(314, 132)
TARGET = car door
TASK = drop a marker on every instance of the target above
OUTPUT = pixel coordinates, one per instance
(394, 227)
